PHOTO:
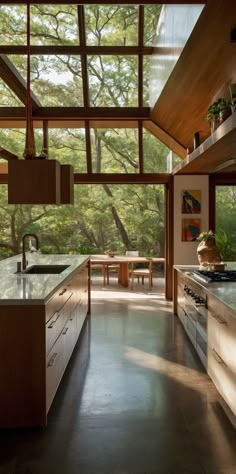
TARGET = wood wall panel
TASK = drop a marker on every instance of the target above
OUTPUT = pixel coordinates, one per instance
(203, 73)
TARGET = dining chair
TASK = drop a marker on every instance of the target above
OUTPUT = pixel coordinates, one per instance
(112, 267)
(142, 273)
(131, 253)
(103, 270)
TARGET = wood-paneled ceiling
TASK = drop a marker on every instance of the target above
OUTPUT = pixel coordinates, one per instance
(202, 74)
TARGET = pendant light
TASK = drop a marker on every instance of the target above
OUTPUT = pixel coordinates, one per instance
(36, 179)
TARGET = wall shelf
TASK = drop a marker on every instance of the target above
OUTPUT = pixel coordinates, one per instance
(216, 153)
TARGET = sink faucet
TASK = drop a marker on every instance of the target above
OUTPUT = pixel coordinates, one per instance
(24, 262)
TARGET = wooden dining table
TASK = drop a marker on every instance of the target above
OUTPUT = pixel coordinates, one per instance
(123, 262)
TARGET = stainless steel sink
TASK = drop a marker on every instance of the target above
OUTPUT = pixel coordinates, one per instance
(44, 269)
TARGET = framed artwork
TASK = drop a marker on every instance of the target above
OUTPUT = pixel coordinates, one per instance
(191, 229)
(191, 202)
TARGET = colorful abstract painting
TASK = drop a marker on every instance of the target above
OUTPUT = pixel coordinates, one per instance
(191, 229)
(191, 202)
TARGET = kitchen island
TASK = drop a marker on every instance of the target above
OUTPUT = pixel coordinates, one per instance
(208, 314)
(41, 317)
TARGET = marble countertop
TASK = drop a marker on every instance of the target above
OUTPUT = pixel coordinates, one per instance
(224, 292)
(20, 288)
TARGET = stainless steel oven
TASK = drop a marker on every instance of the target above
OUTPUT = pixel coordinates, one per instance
(196, 318)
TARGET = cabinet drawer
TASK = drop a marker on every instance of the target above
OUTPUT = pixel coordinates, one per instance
(228, 340)
(54, 370)
(214, 331)
(69, 337)
(223, 378)
(54, 328)
(57, 301)
(57, 322)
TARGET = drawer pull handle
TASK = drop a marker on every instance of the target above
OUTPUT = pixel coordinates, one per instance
(62, 292)
(53, 322)
(52, 360)
(218, 358)
(65, 331)
(217, 318)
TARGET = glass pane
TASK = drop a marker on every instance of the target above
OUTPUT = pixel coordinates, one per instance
(7, 96)
(13, 140)
(113, 81)
(155, 154)
(174, 27)
(151, 17)
(112, 25)
(54, 24)
(114, 150)
(226, 222)
(146, 80)
(68, 146)
(13, 24)
(55, 80)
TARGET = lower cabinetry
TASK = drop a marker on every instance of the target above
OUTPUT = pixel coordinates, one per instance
(213, 334)
(221, 351)
(191, 307)
(34, 355)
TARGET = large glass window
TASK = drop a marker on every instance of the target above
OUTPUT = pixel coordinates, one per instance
(89, 57)
(104, 217)
(226, 221)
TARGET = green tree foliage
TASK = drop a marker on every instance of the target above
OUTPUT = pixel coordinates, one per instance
(225, 221)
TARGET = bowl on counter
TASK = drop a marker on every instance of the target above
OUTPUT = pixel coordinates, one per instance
(111, 254)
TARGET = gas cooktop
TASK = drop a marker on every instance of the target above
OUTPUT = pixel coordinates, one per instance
(208, 276)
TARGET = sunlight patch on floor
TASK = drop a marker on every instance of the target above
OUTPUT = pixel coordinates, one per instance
(100, 294)
(187, 376)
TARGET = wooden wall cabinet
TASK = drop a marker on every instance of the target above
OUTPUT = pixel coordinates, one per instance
(36, 342)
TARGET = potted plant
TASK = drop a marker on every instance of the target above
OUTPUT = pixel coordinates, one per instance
(213, 116)
(207, 250)
(224, 109)
(218, 112)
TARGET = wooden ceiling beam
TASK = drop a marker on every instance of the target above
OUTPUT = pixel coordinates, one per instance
(7, 155)
(119, 178)
(93, 178)
(84, 62)
(15, 81)
(100, 2)
(165, 138)
(77, 113)
(81, 50)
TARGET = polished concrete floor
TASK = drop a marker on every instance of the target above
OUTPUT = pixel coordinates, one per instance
(135, 399)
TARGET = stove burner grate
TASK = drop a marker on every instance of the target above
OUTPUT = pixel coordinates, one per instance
(209, 276)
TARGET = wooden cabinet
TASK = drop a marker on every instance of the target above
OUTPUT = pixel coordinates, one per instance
(212, 330)
(36, 343)
(222, 350)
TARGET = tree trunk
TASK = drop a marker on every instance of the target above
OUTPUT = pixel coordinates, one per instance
(119, 225)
